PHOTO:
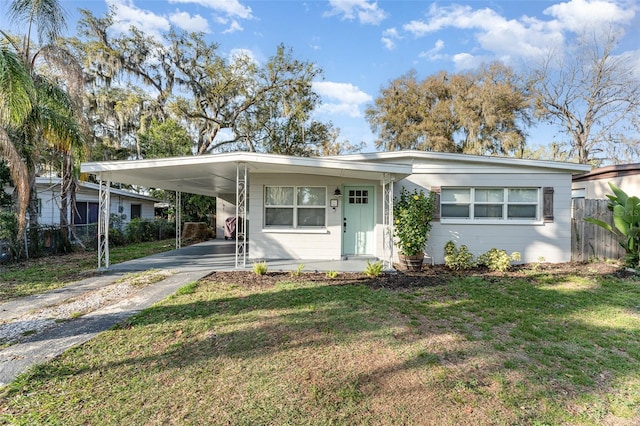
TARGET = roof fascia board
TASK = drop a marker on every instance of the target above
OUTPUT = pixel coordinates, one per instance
(466, 158)
(56, 181)
(245, 157)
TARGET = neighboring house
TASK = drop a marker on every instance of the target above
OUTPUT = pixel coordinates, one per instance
(337, 207)
(127, 204)
(595, 184)
(589, 192)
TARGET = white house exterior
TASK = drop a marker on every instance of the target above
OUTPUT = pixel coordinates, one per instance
(127, 204)
(479, 186)
(331, 208)
(595, 184)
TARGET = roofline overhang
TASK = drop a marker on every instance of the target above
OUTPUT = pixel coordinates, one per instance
(326, 163)
(608, 172)
(96, 187)
(574, 168)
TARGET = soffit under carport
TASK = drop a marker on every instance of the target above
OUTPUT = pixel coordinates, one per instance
(216, 173)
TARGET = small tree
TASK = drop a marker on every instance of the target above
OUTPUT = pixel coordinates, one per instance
(626, 220)
(412, 214)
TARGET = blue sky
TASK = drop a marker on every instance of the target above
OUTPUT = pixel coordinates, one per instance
(361, 44)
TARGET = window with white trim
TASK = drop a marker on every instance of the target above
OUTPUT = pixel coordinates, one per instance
(490, 203)
(295, 206)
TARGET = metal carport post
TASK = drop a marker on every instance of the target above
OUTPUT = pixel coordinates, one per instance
(241, 213)
(104, 202)
(387, 215)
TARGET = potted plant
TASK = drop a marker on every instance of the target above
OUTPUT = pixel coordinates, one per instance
(412, 213)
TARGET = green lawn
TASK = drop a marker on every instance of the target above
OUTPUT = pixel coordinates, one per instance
(536, 350)
(48, 273)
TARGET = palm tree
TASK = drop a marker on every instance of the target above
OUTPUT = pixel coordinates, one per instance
(52, 120)
(16, 100)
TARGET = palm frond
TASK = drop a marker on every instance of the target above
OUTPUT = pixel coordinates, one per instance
(16, 89)
(67, 66)
(47, 15)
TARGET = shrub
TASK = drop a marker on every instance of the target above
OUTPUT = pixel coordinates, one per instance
(332, 274)
(143, 230)
(458, 258)
(373, 269)
(260, 268)
(412, 214)
(498, 260)
(626, 223)
(117, 237)
(9, 235)
(298, 271)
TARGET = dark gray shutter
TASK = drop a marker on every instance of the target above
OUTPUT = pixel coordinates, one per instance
(436, 202)
(547, 204)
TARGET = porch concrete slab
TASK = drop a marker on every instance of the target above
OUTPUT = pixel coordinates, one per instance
(219, 255)
(355, 264)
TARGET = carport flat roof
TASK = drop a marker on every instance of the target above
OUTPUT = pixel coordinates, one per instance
(215, 174)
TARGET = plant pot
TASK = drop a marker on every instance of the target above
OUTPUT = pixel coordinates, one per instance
(413, 262)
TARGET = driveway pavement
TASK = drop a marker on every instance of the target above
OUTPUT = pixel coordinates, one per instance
(188, 264)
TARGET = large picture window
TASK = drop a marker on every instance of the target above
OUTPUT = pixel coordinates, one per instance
(295, 206)
(490, 203)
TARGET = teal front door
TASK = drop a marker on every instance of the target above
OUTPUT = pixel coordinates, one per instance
(358, 220)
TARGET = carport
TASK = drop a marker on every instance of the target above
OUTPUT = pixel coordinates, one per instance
(227, 175)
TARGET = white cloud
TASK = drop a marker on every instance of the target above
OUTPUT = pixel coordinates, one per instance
(389, 37)
(525, 37)
(366, 11)
(466, 61)
(388, 43)
(233, 27)
(127, 14)
(185, 21)
(341, 98)
(580, 15)
(227, 7)
(433, 53)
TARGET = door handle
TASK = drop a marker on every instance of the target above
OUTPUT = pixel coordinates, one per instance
(344, 225)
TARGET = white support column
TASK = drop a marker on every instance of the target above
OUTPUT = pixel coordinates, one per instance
(387, 214)
(178, 213)
(104, 200)
(241, 214)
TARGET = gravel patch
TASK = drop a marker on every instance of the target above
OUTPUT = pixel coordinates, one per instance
(19, 329)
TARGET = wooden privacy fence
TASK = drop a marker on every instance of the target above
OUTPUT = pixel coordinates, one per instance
(589, 241)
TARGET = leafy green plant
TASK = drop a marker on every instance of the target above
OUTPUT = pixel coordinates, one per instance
(298, 271)
(332, 274)
(498, 260)
(260, 268)
(374, 269)
(626, 221)
(412, 214)
(458, 258)
(9, 234)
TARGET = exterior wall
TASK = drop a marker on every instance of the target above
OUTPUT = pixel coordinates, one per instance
(552, 240)
(599, 188)
(325, 244)
(120, 204)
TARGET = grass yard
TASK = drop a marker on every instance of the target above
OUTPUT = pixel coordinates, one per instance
(235, 348)
(47, 273)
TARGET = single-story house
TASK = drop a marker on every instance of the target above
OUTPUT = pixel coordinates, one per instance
(331, 208)
(128, 205)
(595, 184)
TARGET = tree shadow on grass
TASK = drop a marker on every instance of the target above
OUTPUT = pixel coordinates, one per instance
(553, 334)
